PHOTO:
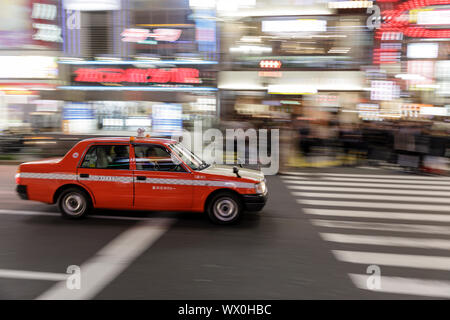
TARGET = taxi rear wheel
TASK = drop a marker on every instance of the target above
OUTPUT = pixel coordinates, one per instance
(225, 208)
(74, 203)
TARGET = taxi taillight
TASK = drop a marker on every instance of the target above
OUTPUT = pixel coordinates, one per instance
(18, 176)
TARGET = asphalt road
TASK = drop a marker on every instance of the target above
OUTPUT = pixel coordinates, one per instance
(315, 239)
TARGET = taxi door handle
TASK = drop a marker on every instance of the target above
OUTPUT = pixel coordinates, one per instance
(84, 175)
(141, 177)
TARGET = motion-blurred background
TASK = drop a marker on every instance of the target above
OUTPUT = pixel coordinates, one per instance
(346, 82)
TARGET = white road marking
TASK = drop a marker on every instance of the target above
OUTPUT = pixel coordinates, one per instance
(407, 286)
(32, 275)
(378, 226)
(290, 173)
(373, 197)
(399, 176)
(394, 259)
(373, 190)
(357, 184)
(398, 181)
(28, 213)
(297, 178)
(54, 214)
(378, 205)
(331, 180)
(8, 192)
(390, 176)
(380, 215)
(109, 262)
(439, 244)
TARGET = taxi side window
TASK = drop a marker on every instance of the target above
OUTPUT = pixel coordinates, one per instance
(156, 158)
(107, 157)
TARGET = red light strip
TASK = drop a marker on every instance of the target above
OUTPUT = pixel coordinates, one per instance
(396, 22)
(270, 64)
(114, 75)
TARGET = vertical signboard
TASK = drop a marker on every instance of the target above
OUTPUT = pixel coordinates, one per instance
(166, 119)
(78, 117)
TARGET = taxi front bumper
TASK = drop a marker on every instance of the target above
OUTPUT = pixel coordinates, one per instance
(255, 202)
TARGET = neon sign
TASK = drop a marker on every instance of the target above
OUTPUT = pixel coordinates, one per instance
(141, 35)
(270, 64)
(47, 31)
(151, 75)
(397, 21)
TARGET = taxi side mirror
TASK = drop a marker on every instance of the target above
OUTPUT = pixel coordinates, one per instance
(236, 171)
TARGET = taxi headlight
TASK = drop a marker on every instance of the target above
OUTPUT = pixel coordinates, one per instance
(260, 187)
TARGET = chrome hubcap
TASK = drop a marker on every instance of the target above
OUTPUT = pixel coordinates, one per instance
(225, 209)
(74, 204)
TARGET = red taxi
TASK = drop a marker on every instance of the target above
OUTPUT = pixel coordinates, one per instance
(142, 174)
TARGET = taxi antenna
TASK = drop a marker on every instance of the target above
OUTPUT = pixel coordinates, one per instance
(140, 132)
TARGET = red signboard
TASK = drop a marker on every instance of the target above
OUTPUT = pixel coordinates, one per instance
(397, 21)
(270, 64)
(151, 75)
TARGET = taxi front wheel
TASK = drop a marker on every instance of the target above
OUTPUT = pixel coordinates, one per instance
(225, 208)
(74, 203)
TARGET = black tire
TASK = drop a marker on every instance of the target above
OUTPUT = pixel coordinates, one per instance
(74, 203)
(224, 208)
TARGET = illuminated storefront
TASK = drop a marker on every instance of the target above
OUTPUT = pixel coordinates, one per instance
(412, 47)
(117, 97)
(155, 67)
(30, 40)
(284, 54)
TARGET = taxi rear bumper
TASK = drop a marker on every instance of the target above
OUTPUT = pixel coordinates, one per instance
(22, 192)
(254, 202)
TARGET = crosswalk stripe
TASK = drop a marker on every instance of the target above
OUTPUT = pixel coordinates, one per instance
(407, 177)
(379, 226)
(296, 178)
(290, 173)
(357, 184)
(439, 244)
(381, 215)
(407, 286)
(372, 190)
(378, 205)
(428, 196)
(394, 259)
(398, 181)
(344, 179)
(373, 197)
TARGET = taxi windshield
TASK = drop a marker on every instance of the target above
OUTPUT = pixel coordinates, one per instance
(193, 161)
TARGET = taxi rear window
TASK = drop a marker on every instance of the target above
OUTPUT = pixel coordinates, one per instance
(107, 157)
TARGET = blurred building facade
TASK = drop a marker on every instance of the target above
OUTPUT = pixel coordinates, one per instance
(148, 64)
(30, 42)
(298, 59)
(111, 66)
